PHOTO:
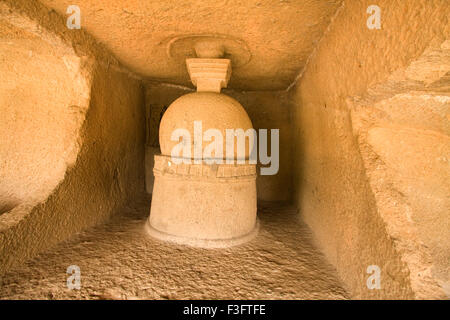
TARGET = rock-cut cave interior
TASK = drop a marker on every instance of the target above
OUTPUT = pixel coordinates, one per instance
(227, 149)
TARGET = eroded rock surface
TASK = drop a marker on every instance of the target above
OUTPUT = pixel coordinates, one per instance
(119, 261)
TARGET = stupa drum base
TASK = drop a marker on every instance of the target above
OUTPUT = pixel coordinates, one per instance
(208, 205)
(202, 243)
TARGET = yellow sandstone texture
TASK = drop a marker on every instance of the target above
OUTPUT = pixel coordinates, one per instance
(364, 119)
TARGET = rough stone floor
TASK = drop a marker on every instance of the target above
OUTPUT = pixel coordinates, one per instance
(119, 261)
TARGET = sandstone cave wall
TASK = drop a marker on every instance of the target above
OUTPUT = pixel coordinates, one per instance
(43, 97)
(74, 131)
(266, 109)
(359, 217)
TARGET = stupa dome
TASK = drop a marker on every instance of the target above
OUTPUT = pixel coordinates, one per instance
(214, 110)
